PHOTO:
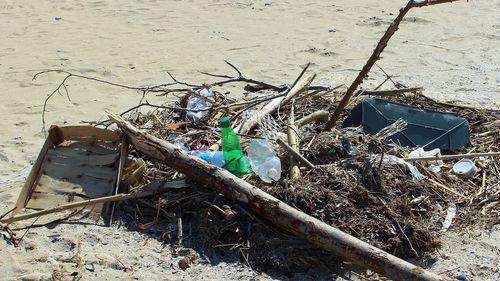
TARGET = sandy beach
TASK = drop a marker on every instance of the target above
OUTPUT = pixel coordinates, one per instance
(451, 50)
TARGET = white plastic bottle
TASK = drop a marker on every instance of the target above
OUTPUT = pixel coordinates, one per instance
(264, 161)
(196, 105)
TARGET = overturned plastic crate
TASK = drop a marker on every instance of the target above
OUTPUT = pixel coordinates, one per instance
(428, 129)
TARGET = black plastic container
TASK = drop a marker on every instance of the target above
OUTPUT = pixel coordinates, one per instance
(428, 129)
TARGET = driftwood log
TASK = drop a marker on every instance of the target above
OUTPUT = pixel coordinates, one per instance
(272, 209)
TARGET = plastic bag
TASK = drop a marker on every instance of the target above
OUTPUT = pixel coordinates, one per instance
(393, 160)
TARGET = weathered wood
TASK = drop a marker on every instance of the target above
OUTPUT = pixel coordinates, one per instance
(386, 93)
(293, 142)
(454, 156)
(274, 104)
(275, 211)
(376, 55)
(295, 154)
(51, 156)
(317, 115)
(154, 188)
(121, 167)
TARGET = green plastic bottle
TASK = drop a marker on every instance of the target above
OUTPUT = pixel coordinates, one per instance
(236, 161)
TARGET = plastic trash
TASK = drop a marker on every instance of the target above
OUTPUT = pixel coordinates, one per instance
(450, 214)
(465, 169)
(350, 150)
(236, 162)
(434, 165)
(180, 143)
(197, 107)
(269, 128)
(428, 129)
(215, 158)
(393, 160)
(264, 161)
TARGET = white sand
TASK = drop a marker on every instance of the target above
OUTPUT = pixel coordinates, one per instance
(452, 50)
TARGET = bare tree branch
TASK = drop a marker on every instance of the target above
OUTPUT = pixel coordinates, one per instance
(376, 56)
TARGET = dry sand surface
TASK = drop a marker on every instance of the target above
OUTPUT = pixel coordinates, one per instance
(452, 50)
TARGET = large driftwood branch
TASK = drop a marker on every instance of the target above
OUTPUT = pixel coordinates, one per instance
(277, 212)
(376, 56)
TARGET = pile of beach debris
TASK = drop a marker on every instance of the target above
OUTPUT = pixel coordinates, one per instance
(368, 175)
(331, 185)
(350, 185)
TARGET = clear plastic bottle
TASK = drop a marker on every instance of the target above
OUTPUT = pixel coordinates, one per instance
(196, 105)
(264, 161)
(215, 158)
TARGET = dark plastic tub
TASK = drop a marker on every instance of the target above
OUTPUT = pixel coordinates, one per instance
(428, 129)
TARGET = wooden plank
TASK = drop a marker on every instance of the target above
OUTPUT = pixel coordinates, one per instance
(95, 147)
(64, 170)
(42, 200)
(30, 181)
(151, 189)
(80, 158)
(86, 185)
(88, 133)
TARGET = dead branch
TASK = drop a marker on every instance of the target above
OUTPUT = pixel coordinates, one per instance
(242, 78)
(315, 116)
(12, 234)
(295, 154)
(62, 85)
(292, 140)
(376, 56)
(385, 93)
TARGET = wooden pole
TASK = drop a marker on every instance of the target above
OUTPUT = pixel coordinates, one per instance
(275, 211)
(293, 142)
(376, 56)
(454, 156)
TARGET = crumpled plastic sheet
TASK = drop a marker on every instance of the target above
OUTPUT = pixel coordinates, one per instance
(394, 160)
(450, 214)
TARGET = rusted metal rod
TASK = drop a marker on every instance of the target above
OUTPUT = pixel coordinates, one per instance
(272, 209)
